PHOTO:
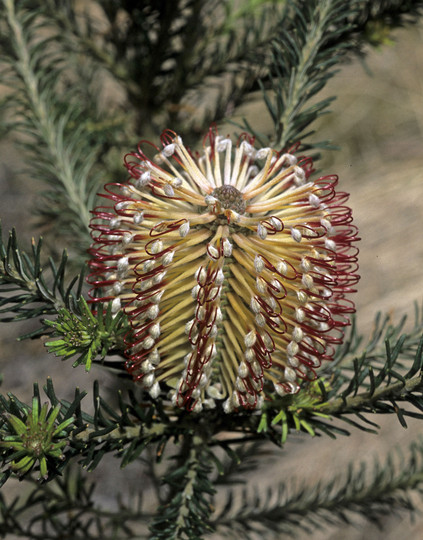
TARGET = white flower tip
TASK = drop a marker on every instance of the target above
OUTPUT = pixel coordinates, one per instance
(262, 153)
(198, 407)
(291, 159)
(168, 258)
(168, 190)
(122, 264)
(261, 285)
(116, 305)
(158, 278)
(308, 281)
(299, 176)
(276, 223)
(255, 306)
(154, 357)
(290, 374)
(144, 179)
(154, 331)
(297, 334)
(330, 244)
(220, 277)
(153, 311)
(169, 150)
(259, 264)
(127, 238)
(147, 344)
(280, 390)
(209, 403)
(300, 315)
(227, 248)
(210, 200)
(114, 223)
(302, 297)
(138, 218)
(282, 268)
(156, 247)
(250, 338)
(117, 287)
(296, 234)
(227, 406)
(223, 144)
(305, 264)
(184, 229)
(155, 390)
(121, 205)
(314, 200)
(247, 148)
(212, 252)
(261, 231)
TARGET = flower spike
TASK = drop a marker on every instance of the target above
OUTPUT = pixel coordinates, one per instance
(233, 267)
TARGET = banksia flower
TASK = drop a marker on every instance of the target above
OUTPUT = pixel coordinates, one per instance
(232, 266)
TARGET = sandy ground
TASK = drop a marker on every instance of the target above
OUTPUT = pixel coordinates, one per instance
(378, 122)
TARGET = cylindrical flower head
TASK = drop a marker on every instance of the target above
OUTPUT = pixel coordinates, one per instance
(233, 267)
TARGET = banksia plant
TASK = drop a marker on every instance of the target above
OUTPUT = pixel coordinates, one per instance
(208, 284)
(233, 266)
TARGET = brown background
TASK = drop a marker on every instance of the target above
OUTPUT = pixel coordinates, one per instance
(378, 122)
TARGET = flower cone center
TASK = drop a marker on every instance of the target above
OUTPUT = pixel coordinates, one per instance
(230, 198)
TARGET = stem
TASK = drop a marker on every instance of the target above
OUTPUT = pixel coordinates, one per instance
(366, 399)
(124, 433)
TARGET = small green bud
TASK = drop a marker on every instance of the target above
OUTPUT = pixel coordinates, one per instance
(36, 439)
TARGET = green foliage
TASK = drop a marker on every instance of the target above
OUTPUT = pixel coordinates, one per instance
(65, 508)
(303, 60)
(186, 512)
(371, 489)
(85, 334)
(24, 275)
(33, 436)
(54, 121)
(310, 43)
(36, 438)
(168, 56)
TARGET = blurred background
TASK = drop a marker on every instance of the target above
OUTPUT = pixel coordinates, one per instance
(377, 121)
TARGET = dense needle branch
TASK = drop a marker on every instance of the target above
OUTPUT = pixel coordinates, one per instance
(370, 489)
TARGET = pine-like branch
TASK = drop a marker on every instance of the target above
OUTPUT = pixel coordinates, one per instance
(87, 335)
(186, 513)
(54, 123)
(26, 292)
(313, 40)
(66, 508)
(367, 490)
(303, 59)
